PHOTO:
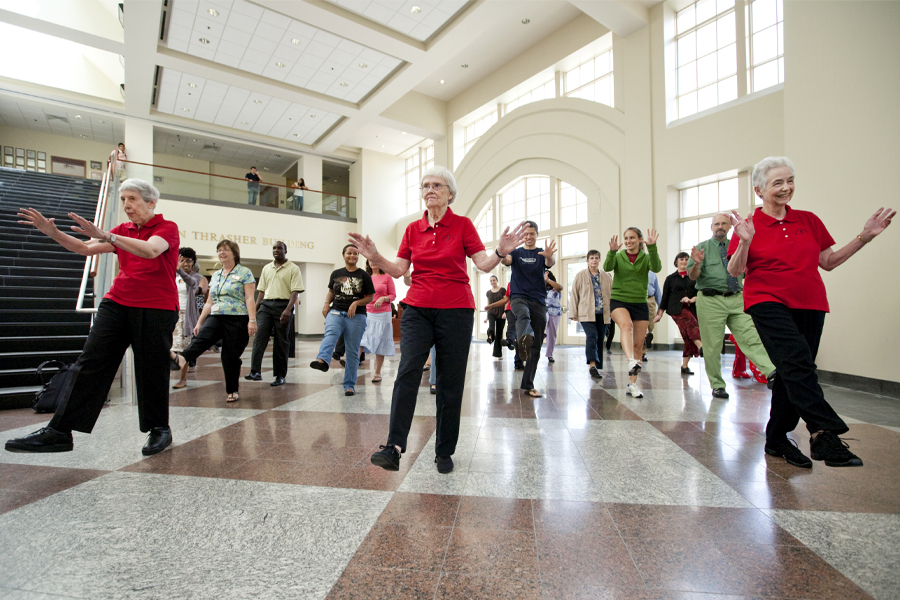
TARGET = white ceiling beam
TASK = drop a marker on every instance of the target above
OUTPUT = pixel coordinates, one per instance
(622, 17)
(61, 31)
(142, 19)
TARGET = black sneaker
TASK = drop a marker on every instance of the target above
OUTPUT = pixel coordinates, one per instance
(46, 439)
(444, 464)
(318, 364)
(253, 376)
(770, 380)
(525, 347)
(826, 446)
(490, 339)
(787, 449)
(720, 393)
(387, 458)
(595, 373)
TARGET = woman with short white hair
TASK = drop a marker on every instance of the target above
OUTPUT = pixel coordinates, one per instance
(782, 250)
(438, 310)
(140, 310)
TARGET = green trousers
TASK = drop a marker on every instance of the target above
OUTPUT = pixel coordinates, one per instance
(713, 314)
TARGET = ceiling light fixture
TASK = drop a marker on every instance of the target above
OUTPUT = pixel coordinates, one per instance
(280, 65)
(464, 66)
(186, 110)
(382, 145)
(296, 135)
(363, 66)
(84, 136)
(313, 116)
(526, 21)
(277, 156)
(344, 84)
(402, 133)
(296, 42)
(415, 10)
(193, 85)
(442, 81)
(244, 123)
(78, 117)
(203, 41)
(196, 140)
(265, 168)
(213, 12)
(100, 121)
(190, 156)
(257, 102)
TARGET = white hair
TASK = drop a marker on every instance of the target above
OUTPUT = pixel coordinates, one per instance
(147, 191)
(761, 170)
(445, 174)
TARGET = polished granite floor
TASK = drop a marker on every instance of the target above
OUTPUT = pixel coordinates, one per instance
(584, 493)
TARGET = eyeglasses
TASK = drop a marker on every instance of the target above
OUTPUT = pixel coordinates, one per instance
(433, 186)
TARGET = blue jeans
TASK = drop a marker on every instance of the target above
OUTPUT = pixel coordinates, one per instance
(298, 202)
(337, 323)
(594, 333)
(252, 195)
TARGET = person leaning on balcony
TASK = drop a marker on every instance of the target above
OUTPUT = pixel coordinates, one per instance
(252, 186)
(298, 187)
(120, 166)
(439, 310)
(140, 310)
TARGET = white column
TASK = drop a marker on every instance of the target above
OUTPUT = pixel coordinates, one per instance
(139, 147)
(309, 314)
(309, 168)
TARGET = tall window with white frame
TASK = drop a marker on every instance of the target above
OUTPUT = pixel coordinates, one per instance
(485, 225)
(592, 80)
(573, 207)
(526, 198)
(477, 128)
(698, 205)
(709, 71)
(543, 92)
(420, 161)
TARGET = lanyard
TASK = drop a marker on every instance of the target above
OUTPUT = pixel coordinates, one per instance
(222, 283)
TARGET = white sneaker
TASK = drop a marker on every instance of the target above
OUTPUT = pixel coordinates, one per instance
(633, 390)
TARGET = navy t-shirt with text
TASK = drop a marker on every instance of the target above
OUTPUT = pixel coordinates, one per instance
(528, 275)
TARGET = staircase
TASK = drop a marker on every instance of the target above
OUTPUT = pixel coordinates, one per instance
(39, 280)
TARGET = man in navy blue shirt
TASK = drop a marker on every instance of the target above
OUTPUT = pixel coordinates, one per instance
(528, 300)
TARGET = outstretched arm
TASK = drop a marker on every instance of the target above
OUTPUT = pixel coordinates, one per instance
(744, 229)
(366, 247)
(877, 223)
(30, 216)
(509, 241)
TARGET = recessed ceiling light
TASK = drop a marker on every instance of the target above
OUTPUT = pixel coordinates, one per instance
(464, 66)
(196, 140)
(382, 145)
(344, 84)
(190, 156)
(265, 168)
(277, 156)
(280, 65)
(84, 136)
(213, 12)
(186, 110)
(203, 41)
(363, 66)
(78, 117)
(257, 102)
(244, 123)
(415, 10)
(402, 133)
(526, 21)
(313, 116)
(296, 42)
(296, 135)
(101, 121)
(442, 81)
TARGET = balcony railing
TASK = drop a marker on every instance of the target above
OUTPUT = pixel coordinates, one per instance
(183, 183)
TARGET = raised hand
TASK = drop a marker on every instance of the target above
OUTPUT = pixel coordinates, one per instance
(743, 228)
(86, 227)
(32, 217)
(510, 240)
(697, 255)
(614, 245)
(549, 250)
(652, 236)
(877, 223)
(364, 244)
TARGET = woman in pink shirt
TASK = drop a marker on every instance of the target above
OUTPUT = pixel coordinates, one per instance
(379, 336)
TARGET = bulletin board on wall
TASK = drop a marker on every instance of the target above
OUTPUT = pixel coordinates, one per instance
(68, 166)
(23, 159)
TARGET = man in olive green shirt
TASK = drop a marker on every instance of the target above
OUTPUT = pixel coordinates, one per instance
(720, 302)
(279, 286)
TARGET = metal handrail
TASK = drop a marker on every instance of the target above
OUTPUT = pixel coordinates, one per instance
(91, 262)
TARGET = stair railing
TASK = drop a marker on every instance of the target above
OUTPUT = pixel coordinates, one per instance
(99, 266)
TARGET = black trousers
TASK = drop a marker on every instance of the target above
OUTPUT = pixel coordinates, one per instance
(594, 332)
(495, 329)
(511, 337)
(268, 318)
(610, 334)
(232, 330)
(791, 339)
(449, 330)
(530, 312)
(149, 333)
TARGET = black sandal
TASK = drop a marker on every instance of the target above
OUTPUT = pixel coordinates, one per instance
(174, 365)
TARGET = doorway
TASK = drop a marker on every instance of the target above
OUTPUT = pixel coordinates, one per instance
(569, 332)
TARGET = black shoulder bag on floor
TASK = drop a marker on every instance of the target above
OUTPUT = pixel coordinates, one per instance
(57, 390)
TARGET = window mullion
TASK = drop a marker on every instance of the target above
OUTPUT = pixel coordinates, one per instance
(740, 15)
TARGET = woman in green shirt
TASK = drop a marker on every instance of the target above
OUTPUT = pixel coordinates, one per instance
(628, 301)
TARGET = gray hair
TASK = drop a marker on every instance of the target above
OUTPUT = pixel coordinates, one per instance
(148, 192)
(445, 174)
(761, 170)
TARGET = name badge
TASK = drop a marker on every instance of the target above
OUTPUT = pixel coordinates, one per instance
(235, 277)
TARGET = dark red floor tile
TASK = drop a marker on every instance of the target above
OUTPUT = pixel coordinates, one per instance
(275, 471)
(22, 417)
(686, 564)
(587, 558)
(424, 509)
(456, 586)
(360, 582)
(563, 516)
(495, 513)
(404, 546)
(174, 462)
(492, 553)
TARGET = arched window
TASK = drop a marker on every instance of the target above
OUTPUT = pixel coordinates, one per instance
(526, 198)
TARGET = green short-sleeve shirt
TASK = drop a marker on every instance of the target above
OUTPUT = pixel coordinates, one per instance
(227, 292)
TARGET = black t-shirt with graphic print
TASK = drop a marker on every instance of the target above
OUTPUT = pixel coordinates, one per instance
(348, 287)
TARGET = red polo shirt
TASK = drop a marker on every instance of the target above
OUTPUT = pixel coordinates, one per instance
(147, 282)
(440, 278)
(508, 304)
(783, 261)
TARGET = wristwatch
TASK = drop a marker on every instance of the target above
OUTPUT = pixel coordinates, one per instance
(112, 239)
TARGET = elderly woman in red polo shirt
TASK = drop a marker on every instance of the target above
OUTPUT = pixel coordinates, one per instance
(781, 250)
(438, 310)
(140, 310)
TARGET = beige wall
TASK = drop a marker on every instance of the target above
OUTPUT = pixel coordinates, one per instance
(56, 145)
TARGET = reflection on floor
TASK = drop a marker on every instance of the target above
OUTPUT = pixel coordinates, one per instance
(584, 493)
